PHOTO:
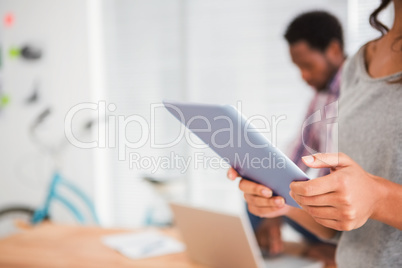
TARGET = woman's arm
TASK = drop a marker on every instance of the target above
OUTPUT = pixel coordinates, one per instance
(389, 208)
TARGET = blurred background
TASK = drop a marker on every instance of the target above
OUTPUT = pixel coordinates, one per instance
(121, 56)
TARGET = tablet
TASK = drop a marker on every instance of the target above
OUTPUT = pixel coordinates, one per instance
(234, 138)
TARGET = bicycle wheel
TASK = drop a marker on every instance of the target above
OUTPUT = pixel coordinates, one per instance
(13, 217)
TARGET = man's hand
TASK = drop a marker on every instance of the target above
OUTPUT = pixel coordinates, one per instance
(259, 198)
(269, 236)
(342, 200)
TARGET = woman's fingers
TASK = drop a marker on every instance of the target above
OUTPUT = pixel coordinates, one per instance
(259, 198)
(258, 201)
(268, 212)
(327, 213)
(232, 174)
(315, 200)
(318, 186)
(249, 187)
(329, 160)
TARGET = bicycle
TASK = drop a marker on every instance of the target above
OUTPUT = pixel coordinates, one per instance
(11, 217)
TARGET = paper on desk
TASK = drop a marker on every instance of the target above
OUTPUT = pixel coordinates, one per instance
(143, 245)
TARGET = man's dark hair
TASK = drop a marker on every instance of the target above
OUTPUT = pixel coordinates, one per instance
(317, 28)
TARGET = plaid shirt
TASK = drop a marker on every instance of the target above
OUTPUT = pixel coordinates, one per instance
(315, 135)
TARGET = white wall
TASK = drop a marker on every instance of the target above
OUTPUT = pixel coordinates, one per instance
(236, 52)
(61, 29)
(201, 51)
(136, 52)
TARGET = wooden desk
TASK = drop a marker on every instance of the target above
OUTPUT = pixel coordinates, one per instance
(51, 245)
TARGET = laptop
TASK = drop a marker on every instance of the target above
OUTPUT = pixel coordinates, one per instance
(217, 239)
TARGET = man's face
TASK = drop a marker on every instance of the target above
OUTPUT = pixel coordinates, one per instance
(315, 66)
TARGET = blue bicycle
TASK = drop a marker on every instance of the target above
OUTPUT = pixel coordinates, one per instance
(11, 215)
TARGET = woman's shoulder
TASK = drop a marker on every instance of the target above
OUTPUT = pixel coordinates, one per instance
(352, 67)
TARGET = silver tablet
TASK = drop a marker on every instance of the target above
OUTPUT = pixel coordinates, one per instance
(240, 144)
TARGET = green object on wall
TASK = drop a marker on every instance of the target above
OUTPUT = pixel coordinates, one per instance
(14, 52)
(4, 101)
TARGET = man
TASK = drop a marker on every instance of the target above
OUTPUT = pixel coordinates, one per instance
(316, 47)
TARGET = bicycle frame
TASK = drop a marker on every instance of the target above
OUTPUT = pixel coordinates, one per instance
(57, 181)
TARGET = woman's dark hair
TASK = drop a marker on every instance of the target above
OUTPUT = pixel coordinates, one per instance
(317, 28)
(382, 28)
(374, 20)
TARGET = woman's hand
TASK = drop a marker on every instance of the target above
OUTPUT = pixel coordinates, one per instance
(342, 200)
(259, 198)
(261, 203)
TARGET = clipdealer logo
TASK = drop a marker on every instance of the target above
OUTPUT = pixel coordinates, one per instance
(111, 131)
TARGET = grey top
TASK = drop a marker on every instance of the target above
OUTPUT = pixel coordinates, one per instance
(370, 132)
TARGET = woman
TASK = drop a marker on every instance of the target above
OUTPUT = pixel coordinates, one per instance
(363, 194)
